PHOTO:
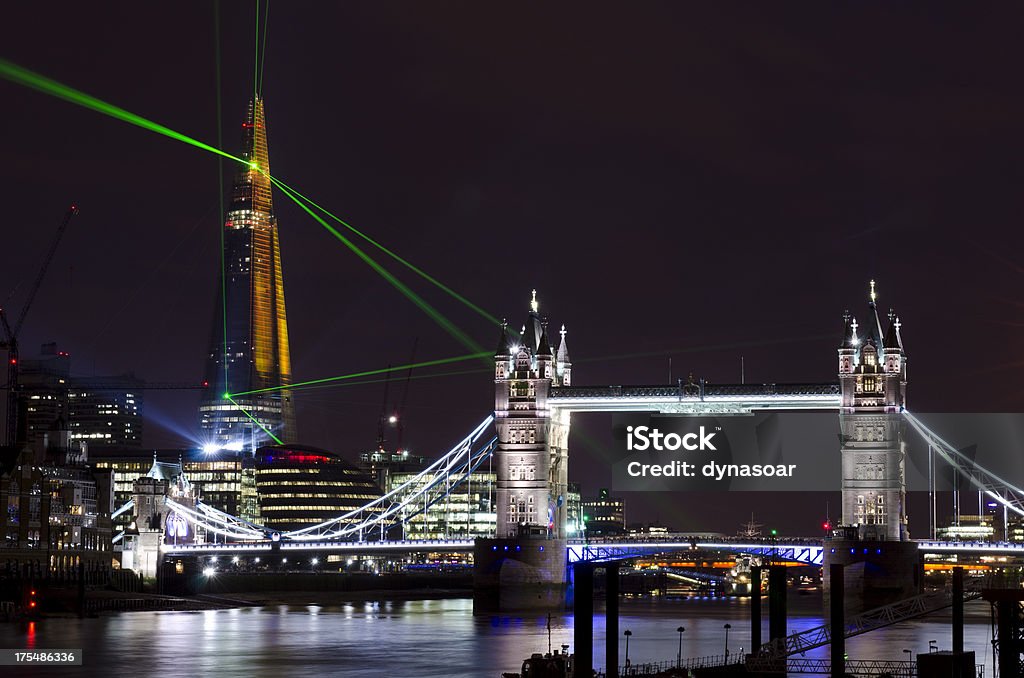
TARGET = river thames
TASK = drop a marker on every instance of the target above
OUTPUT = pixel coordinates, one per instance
(427, 638)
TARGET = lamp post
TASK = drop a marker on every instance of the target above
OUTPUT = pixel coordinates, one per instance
(627, 633)
(933, 646)
(679, 656)
(727, 627)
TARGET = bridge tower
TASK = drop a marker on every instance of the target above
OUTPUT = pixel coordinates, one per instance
(524, 566)
(873, 539)
(873, 383)
(153, 523)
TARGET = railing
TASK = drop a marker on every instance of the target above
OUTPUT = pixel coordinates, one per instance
(653, 668)
(93, 605)
(887, 615)
(853, 667)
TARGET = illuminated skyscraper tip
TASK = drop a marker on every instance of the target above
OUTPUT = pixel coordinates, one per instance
(249, 347)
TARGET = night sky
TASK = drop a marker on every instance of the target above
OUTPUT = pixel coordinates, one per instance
(685, 182)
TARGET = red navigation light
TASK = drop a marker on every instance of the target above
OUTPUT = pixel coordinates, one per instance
(827, 525)
(14, 361)
(32, 604)
(205, 383)
(32, 593)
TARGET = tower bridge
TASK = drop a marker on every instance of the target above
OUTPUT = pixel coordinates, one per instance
(535, 398)
(527, 440)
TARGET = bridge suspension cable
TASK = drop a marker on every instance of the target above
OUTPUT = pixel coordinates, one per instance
(411, 497)
(1000, 490)
(216, 524)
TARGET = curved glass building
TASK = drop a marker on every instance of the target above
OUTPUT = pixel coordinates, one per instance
(298, 486)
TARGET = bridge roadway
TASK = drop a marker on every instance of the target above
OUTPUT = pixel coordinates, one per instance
(807, 551)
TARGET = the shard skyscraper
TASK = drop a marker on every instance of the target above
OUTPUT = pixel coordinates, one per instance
(249, 356)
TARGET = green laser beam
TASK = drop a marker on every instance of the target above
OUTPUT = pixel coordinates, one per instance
(256, 61)
(367, 373)
(263, 56)
(423, 305)
(22, 76)
(220, 193)
(412, 267)
(17, 74)
(254, 419)
(454, 373)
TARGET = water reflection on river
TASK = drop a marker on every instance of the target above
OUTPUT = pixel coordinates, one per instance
(425, 638)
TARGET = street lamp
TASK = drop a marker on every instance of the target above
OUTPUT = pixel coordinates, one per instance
(909, 654)
(727, 627)
(933, 646)
(627, 633)
(679, 656)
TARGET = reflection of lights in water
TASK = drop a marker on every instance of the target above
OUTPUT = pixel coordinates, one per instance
(31, 640)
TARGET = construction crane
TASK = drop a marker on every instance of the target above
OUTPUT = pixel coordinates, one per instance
(9, 339)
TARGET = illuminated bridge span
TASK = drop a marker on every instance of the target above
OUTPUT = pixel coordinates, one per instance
(809, 554)
(806, 553)
(373, 520)
(437, 481)
(798, 551)
(693, 398)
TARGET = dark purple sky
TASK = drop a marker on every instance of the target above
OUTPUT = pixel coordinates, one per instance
(681, 182)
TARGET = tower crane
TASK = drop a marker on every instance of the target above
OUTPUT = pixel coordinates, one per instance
(9, 338)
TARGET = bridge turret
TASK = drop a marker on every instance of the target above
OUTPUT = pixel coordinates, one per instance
(502, 354)
(895, 366)
(563, 366)
(545, 356)
(848, 358)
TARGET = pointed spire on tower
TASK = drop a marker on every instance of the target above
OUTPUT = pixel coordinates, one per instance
(563, 348)
(892, 335)
(873, 331)
(544, 348)
(849, 331)
(503, 343)
(532, 330)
